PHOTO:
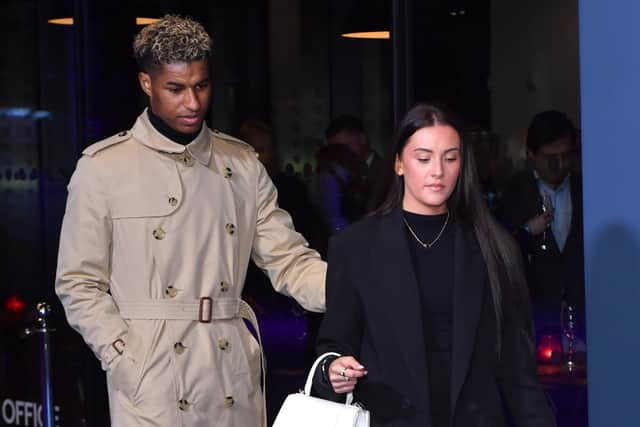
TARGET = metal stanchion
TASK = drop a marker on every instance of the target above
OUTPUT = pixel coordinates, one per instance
(44, 330)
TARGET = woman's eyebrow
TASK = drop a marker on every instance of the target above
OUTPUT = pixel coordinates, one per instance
(429, 151)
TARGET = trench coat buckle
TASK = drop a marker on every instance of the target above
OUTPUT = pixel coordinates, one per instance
(118, 346)
(205, 310)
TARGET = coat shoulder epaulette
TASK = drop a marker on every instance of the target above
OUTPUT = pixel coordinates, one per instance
(216, 133)
(106, 143)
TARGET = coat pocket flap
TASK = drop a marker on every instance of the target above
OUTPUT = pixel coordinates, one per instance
(144, 196)
(144, 205)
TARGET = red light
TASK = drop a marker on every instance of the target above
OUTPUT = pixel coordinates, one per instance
(14, 305)
(547, 345)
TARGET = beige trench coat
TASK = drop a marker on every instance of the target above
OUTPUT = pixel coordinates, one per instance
(153, 256)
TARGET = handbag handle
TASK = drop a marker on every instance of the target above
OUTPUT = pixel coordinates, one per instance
(307, 385)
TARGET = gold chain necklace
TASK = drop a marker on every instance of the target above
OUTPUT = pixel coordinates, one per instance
(427, 245)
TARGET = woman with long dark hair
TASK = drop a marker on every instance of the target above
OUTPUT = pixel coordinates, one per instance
(426, 298)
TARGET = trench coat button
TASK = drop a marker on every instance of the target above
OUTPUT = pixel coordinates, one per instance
(123, 133)
(159, 233)
(186, 158)
(231, 229)
(227, 173)
(183, 404)
(228, 401)
(179, 348)
(173, 201)
(223, 344)
(171, 292)
(224, 286)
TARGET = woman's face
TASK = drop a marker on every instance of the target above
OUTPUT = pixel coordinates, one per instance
(430, 164)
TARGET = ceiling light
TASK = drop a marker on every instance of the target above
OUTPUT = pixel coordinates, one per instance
(368, 20)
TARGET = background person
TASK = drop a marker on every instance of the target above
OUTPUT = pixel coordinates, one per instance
(542, 207)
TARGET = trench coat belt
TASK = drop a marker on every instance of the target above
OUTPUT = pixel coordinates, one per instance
(203, 310)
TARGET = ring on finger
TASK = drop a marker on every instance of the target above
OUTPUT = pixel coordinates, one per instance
(346, 379)
(342, 372)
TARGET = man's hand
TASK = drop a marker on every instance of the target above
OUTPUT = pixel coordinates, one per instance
(540, 223)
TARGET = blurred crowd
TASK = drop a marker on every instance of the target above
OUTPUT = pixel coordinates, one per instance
(532, 185)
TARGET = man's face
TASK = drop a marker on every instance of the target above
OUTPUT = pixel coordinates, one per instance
(356, 141)
(553, 161)
(179, 94)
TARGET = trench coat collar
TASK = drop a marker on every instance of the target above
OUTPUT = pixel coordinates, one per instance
(144, 132)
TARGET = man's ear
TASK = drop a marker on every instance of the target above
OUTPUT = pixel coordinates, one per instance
(145, 82)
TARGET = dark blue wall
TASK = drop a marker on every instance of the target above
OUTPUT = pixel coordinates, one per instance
(610, 72)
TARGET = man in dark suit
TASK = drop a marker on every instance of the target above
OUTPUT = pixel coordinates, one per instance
(374, 174)
(349, 131)
(542, 206)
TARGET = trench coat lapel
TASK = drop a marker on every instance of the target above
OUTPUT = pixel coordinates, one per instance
(403, 302)
(468, 287)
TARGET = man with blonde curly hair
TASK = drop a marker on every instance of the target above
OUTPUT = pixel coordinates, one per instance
(160, 224)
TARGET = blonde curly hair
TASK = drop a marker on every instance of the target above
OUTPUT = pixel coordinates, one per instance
(171, 40)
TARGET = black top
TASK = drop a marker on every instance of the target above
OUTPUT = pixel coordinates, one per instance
(169, 132)
(434, 273)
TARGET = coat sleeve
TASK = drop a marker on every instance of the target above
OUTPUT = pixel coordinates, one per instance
(525, 398)
(83, 271)
(282, 253)
(341, 330)
(342, 324)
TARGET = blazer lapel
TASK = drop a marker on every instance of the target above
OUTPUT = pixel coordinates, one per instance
(396, 273)
(468, 288)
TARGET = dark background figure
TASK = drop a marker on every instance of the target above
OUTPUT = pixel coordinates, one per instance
(293, 195)
(542, 206)
(374, 177)
(350, 131)
(484, 144)
(340, 187)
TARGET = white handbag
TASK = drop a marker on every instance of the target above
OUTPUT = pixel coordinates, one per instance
(301, 409)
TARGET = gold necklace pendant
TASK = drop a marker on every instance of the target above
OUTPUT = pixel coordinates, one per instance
(430, 244)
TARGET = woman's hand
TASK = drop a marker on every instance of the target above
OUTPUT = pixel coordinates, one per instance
(344, 373)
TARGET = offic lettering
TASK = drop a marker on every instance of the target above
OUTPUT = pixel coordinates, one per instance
(21, 413)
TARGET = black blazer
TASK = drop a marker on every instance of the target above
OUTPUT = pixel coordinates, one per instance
(551, 274)
(374, 314)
